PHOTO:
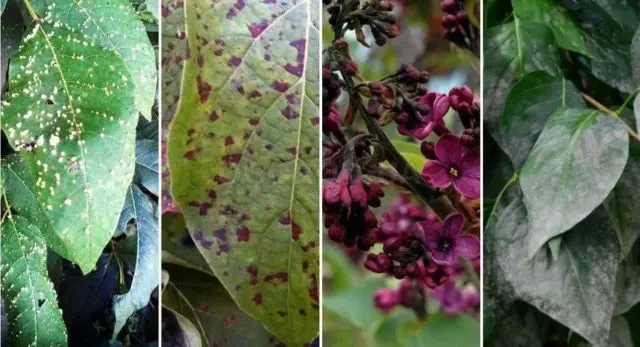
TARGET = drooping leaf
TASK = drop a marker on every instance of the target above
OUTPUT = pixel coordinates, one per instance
(514, 50)
(623, 203)
(579, 156)
(70, 113)
(32, 306)
(355, 305)
(441, 331)
(608, 29)
(139, 207)
(557, 18)
(203, 300)
(243, 153)
(529, 104)
(579, 286)
(113, 24)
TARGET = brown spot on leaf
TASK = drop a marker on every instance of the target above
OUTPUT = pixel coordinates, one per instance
(253, 274)
(258, 299)
(296, 230)
(204, 89)
(257, 28)
(228, 141)
(280, 86)
(242, 234)
(279, 276)
(234, 61)
(221, 180)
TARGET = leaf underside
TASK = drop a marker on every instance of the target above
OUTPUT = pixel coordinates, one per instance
(243, 152)
(70, 113)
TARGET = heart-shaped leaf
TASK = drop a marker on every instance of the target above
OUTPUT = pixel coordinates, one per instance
(608, 30)
(514, 50)
(145, 279)
(32, 305)
(623, 203)
(243, 153)
(203, 300)
(579, 156)
(114, 24)
(527, 108)
(70, 113)
(557, 18)
(579, 285)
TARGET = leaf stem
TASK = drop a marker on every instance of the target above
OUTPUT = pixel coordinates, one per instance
(32, 12)
(627, 101)
(612, 113)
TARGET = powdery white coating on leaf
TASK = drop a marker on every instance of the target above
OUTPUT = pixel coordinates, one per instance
(114, 24)
(635, 66)
(31, 302)
(514, 49)
(531, 101)
(244, 155)
(577, 160)
(578, 288)
(70, 113)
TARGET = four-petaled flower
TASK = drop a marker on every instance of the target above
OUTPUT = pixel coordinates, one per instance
(436, 105)
(454, 164)
(447, 243)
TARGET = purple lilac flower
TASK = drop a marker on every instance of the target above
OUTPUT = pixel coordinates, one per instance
(437, 105)
(454, 164)
(447, 243)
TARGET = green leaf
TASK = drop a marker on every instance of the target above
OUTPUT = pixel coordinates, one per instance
(579, 286)
(243, 152)
(387, 332)
(32, 306)
(529, 104)
(441, 331)
(608, 30)
(174, 54)
(635, 58)
(145, 279)
(356, 304)
(146, 172)
(522, 326)
(623, 203)
(411, 152)
(114, 24)
(153, 6)
(205, 302)
(70, 113)
(636, 107)
(340, 267)
(557, 18)
(620, 335)
(627, 284)
(579, 156)
(514, 50)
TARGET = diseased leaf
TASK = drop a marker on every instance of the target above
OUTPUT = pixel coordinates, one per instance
(608, 29)
(529, 104)
(623, 203)
(174, 53)
(203, 300)
(579, 286)
(579, 156)
(139, 207)
(523, 326)
(113, 24)
(514, 50)
(243, 153)
(177, 245)
(635, 58)
(557, 18)
(620, 335)
(627, 284)
(70, 113)
(32, 306)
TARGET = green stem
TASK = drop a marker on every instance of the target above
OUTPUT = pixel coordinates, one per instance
(627, 101)
(32, 12)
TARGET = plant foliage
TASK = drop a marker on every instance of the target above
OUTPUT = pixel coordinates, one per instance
(562, 173)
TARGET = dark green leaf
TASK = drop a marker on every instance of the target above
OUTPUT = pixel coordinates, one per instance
(523, 326)
(579, 156)
(620, 335)
(608, 30)
(139, 207)
(529, 104)
(627, 284)
(441, 331)
(32, 305)
(243, 152)
(388, 330)
(636, 107)
(74, 126)
(556, 17)
(114, 24)
(514, 50)
(203, 300)
(623, 203)
(635, 58)
(579, 286)
(146, 173)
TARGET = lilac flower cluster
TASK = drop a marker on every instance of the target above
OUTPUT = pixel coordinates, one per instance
(428, 252)
(457, 26)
